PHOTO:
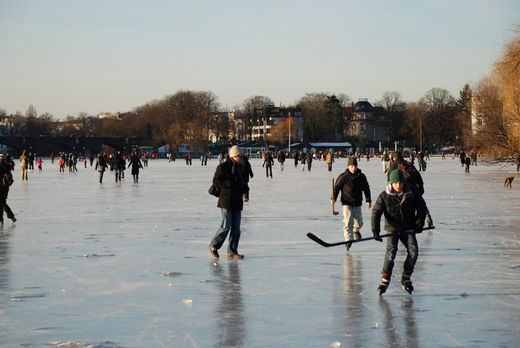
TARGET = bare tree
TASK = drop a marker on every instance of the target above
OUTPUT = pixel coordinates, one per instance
(440, 126)
(395, 110)
(313, 106)
(498, 133)
(344, 99)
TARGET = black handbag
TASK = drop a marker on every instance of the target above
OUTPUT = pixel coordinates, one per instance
(214, 190)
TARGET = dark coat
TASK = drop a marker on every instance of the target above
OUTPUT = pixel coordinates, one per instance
(402, 213)
(246, 171)
(101, 163)
(268, 160)
(228, 177)
(352, 187)
(135, 162)
(411, 174)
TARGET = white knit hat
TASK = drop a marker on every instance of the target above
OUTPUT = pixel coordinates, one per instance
(234, 151)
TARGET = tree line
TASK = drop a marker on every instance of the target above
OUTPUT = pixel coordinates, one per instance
(190, 116)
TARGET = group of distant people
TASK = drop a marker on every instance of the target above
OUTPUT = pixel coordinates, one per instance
(117, 164)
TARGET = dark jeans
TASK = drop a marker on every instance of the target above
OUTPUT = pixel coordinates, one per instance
(5, 207)
(230, 223)
(269, 170)
(412, 249)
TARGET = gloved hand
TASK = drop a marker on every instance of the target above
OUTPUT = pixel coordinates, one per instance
(418, 228)
(376, 236)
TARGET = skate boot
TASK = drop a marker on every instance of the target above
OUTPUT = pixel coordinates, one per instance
(357, 234)
(348, 245)
(385, 281)
(429, 221)
(407, 283)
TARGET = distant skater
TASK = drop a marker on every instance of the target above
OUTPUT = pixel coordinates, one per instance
(329, 159)
(101, 166)
(39, 163)
(24, 165)
(308, 159)
(135, 163)
(268, 163)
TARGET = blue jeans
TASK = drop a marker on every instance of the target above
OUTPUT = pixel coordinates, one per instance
(412, 249)
(230, 223)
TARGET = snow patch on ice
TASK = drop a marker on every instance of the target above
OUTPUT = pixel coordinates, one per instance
(171, 274)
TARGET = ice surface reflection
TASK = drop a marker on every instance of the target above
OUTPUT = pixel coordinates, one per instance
(127, 265)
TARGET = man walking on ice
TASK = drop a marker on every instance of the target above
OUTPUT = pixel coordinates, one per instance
(404, 212)
(229, 179)
(352, 183)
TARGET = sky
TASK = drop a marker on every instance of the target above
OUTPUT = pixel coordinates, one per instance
(68, 56)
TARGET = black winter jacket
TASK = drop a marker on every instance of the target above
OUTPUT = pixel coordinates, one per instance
(352, 187)
(402, 213)
(228, 177)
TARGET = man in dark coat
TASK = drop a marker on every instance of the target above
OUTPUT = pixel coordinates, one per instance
(229, 180)
(352, 184)
(404, 211)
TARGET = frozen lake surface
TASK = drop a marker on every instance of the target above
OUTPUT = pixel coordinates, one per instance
(127, 265)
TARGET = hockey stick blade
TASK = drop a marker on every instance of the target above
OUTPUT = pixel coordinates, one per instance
(321, 242)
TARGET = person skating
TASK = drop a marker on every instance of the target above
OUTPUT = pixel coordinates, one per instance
(101, 165)
(135, 162)
(228, 178)
(247, 173)
(281, 159)
(352, 184)
(329, 160)
(117, 164)
(6, 180)
(268, 163)
(308, 160)
(24, 165)
(404, 211)
(384, 160)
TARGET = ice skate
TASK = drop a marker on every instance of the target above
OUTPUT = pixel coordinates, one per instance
(383, 286)
(407, 283)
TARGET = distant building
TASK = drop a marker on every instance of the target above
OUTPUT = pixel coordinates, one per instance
(477, 118)
(364, 119)
(264, 119)
(226, 126)
(116, 115)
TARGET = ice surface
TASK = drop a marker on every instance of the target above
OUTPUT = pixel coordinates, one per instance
(128, 265)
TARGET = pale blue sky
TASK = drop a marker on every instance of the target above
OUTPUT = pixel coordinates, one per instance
(69, 56)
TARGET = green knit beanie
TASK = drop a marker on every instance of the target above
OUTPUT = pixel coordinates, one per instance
(396, 175)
